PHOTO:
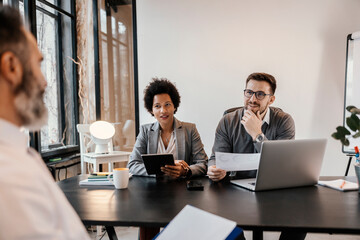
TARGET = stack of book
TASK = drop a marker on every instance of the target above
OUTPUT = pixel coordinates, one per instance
(97, 179)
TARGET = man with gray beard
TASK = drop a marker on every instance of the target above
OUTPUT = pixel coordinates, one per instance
(31, 204)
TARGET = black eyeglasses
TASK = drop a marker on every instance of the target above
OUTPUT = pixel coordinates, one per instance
(260, 95)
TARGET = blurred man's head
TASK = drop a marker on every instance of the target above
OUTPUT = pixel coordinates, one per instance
(22, 83)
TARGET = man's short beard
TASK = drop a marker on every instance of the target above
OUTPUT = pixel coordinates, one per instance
(29, 102)
(261, 112)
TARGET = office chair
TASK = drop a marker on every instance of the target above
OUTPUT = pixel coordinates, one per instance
(231, 110)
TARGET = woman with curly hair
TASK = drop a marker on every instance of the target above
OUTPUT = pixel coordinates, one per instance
(168, 135)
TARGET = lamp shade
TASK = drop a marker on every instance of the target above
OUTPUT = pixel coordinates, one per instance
(101, 134)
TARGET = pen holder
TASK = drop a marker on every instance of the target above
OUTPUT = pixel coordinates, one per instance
(357, 171)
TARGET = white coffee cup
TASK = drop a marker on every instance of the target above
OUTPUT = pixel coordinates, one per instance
(120, 178)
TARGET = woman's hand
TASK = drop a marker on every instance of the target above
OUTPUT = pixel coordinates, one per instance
(177, 170)
(216, 174)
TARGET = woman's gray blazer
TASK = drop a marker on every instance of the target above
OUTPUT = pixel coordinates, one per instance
(188, 145)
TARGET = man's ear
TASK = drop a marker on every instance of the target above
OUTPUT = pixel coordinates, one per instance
(11, 68)
(272, 99)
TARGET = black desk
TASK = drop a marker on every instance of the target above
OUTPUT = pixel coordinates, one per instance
(152, 203)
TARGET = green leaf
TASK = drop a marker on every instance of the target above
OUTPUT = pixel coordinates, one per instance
(345, 142)
(349, 108)
(342, 130)
(337, 136)
(356, 119)
(352, 124)
(356, 135)
(353, 109)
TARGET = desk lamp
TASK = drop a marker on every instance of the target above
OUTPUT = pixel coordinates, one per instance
(101, 134)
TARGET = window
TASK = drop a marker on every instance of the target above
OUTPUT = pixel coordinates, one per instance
(116, 53)
(53, 24)
(56, 42)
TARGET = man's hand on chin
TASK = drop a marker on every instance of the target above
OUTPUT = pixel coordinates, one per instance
(253, 122)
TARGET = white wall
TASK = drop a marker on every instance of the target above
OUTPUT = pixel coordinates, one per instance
(209, 47)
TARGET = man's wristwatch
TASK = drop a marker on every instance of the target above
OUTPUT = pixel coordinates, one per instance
(259, 138)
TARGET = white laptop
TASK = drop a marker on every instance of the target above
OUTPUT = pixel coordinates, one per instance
(287, 163)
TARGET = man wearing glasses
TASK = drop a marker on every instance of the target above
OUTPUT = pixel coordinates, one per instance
(243, 130)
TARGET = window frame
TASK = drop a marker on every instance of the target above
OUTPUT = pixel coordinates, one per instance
(97, 59)
(30, 9)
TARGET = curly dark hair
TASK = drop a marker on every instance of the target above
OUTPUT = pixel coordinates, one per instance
(263, 77)
(160, 86)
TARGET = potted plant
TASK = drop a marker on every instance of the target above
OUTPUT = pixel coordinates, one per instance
(342, 134)
(353, 122)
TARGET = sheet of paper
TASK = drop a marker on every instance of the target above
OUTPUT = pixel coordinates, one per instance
(237, 161)
(340, 184)
(194, 223)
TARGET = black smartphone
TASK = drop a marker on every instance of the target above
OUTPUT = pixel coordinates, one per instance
(194, 185)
